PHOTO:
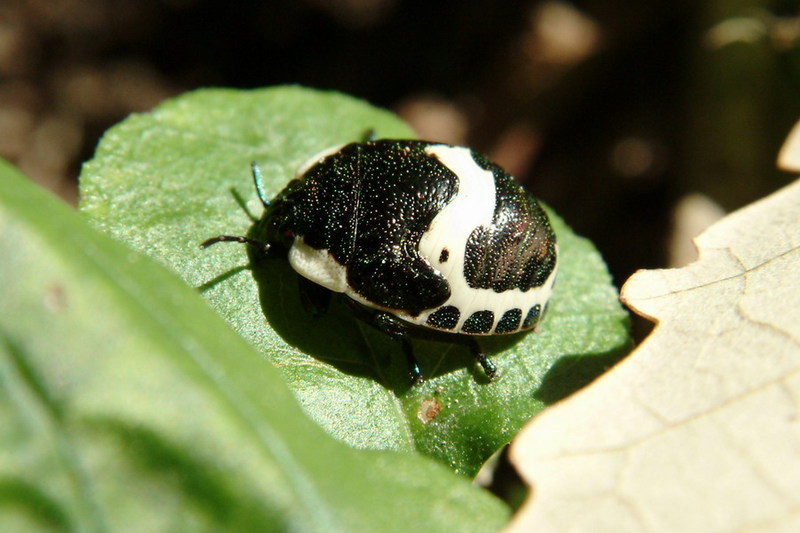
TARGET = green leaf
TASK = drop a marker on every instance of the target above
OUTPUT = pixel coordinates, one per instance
(126, 404)
(166, 181)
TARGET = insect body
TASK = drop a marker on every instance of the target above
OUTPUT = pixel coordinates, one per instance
(426, 240)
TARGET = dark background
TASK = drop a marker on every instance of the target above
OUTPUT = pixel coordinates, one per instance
(611, 111)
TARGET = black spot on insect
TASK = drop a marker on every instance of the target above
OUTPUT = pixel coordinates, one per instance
(518, 250)
(509, 321)
(372, 225)
(478, 322)
(444, 318)
(533, 317)
(444, 255)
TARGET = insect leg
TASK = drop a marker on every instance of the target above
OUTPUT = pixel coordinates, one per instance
(488, 366)
(396, 329)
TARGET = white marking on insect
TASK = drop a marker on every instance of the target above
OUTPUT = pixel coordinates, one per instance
(317, 265)
(472, 207)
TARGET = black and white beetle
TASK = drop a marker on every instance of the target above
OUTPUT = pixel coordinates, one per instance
(427, 240)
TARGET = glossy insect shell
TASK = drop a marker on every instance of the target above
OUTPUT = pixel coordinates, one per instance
(434, 234)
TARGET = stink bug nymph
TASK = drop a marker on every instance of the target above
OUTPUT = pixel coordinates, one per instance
(426, 240)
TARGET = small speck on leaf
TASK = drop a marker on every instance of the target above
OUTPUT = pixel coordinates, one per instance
(428, 410)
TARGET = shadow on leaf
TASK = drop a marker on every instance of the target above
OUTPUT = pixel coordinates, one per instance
(571, 373)
(178, 474)
(22, 498)
(340, 339)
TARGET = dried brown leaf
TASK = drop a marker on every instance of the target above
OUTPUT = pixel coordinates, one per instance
(698, 429)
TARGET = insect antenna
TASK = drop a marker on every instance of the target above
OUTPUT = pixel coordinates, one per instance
(259, 181)
(259, 245)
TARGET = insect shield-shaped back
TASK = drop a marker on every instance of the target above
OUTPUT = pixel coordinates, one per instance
(427, 240)
(434, 234)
